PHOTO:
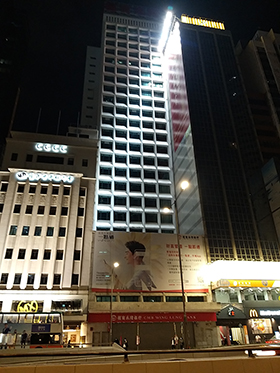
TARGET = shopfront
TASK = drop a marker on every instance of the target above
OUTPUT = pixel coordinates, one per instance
(153, 330)
(263, 320)
(232, 325)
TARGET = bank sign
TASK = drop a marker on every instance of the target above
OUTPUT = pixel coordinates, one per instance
(51, 148)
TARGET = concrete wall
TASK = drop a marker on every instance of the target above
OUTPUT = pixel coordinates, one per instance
(240, 365)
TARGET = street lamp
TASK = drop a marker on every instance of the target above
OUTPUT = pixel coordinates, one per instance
(115, 265)
(184, 185)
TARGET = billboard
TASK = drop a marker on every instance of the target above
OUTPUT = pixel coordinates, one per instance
(147, 262)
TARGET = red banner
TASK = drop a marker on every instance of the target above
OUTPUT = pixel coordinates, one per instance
(145, 317)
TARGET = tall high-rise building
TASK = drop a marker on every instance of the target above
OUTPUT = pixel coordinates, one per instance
(226, 151)
(135, 178)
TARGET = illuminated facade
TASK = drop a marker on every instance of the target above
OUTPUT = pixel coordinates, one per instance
(226, 152)
(46, 225)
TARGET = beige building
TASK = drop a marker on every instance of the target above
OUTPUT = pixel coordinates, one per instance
(46, 218)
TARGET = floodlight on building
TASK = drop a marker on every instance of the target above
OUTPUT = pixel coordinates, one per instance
(167, 26)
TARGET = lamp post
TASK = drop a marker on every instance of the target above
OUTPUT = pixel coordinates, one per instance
(115, 265)
(184, 185)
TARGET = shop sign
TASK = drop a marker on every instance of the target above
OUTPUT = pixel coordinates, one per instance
(269, 313)
(231, 311)
(31, 306)
(253, 313)
(41, 328)
(51, 148)
(45, 177)
(152, 317)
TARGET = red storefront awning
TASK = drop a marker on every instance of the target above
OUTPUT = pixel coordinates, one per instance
(129, 317)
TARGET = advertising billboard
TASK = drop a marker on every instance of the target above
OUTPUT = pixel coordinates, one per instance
(147, 262)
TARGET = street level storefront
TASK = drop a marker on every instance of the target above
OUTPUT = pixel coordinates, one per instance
(232, 324)
(152, 330)
(263, 319)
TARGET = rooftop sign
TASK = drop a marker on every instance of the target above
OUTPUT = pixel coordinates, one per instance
(202, 22)
(51, 148)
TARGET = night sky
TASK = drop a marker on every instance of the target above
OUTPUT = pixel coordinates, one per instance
(59, 31)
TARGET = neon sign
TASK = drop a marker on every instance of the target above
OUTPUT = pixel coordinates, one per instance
(40, 176)
(51, 148)
(24, 306)
(202, 22)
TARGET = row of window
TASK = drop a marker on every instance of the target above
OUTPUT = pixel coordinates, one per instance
(124, 70)
(136, 135)
(133, 101)
(38, 230)
(135, 187)
(148, 174)
(43, 189)
(41, 210)
(115, 122)
(134, 217)
(131, 81)
(133, 31)
(134, 201)
(49, 159)
(148, 298)
(123, 61)
(131, 90)
(146, 161)
(132, 112)
(137, 173)
(43, 279)
(35, 252)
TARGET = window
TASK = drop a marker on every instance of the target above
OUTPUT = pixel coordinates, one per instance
(20, 188)
(55, 190)
(151, 218)
(134, 173)
(17, 209)
(29, 209)
(44, 190)
(47, 254)
(52, 210)
(77, 255)
(150, 188)
(82, 192)
(25, 230)
(119, 216)
(129, 298)
(164, 189)
(4, 187)
(103, 215)
(149, 161)
(166, 219)
(56, 279)
(104, 200)
(66, 191)
(44, 279)
(153, 298)
(17, 279)
(134, 147)
(149, 174)
(59, 255)
(120, 186)
(1, 207)
(84, 162)
(34, 254)
(32, 189)
(75, 279)
(14, 157)
(135, 187)
(120, 201)
(37, 231)
(4, 278)
(79, 232)
(41, 210)
(9, 254)
(21, 254)
(81, 211)
(64, 211)
(120, 172)
(30, 278)
(136, 202)
(70, 161)
(163, 175)
(173, 298)
(50, 231)
(135, 217)
(104, 185)
(29, 157)
(62, 232)
(150, 202)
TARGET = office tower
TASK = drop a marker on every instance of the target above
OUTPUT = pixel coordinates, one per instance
(225, 147)
(135, 180)
(46, 216)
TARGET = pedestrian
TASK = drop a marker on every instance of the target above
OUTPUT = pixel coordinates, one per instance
(23, 339)
(181, 341)
(5, 336)
(125, 344)
(69, 343)
(173, 343)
